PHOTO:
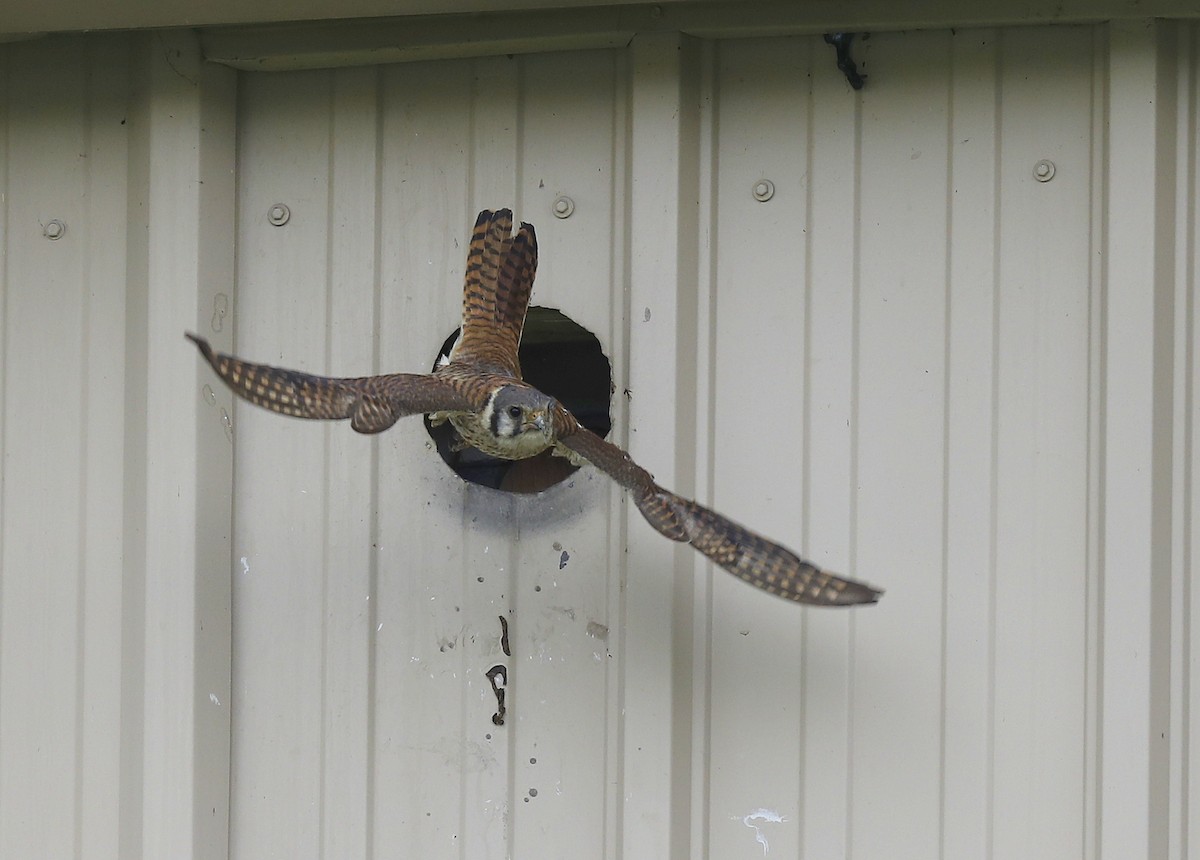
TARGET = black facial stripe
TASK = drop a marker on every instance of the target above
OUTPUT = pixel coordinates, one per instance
(496, 422)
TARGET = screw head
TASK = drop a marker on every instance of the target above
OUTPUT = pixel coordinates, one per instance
(279, 214)
(54, 229)
(763, 190)
(563, 207)
(1043, 171)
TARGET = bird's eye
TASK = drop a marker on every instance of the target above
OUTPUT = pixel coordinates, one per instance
(514, 411)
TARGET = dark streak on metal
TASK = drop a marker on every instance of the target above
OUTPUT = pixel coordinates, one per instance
(498, 689)
(504, 636)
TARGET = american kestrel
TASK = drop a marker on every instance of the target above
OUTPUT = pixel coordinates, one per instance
(481, 393)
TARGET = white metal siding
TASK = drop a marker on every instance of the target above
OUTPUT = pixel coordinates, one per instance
(64, 158)
(915, 363)
(113, 630)
(925, 334)
(370, 579)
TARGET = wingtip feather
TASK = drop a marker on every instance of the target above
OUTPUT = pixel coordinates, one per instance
(201, 344)
(857, 594)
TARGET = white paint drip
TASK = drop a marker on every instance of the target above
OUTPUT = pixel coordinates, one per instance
(212, 697)
(766, 816)
(245, 566)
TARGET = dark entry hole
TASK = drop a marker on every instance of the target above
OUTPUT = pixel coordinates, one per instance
(561, 358)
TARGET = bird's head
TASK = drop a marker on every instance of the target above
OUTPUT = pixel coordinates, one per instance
(514, 410)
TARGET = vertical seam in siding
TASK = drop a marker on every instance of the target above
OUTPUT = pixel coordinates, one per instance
(1189, 548)
(616, 144)
(711, 59)
(806, 440)
(464, 566)
(855, 398)
(380, 82)
(1187, 470)
(947, 301)
(1100, 392)
(1095, 409)
(620, 436)
(322, 771)
(1185, 232)
(994, 442)
(87, 64)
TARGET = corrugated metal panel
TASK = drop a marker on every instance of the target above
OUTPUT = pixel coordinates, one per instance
(371, 580)
(915, 362)
(924, 424)
(926, 339)
(113, 630)
(64, 160)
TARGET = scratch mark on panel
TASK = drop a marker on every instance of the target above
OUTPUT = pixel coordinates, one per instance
(766, 816)
(470, 756)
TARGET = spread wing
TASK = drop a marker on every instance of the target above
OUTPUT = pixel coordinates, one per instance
(500, 272)
(372, 403)
(743, 553)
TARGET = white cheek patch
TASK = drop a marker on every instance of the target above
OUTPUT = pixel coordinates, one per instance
(485, 416)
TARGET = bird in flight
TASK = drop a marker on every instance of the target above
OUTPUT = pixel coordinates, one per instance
(481, 393)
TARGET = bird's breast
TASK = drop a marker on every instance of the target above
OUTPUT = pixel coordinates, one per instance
(477, 434)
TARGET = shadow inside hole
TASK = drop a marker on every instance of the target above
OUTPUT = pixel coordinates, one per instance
(561, 358)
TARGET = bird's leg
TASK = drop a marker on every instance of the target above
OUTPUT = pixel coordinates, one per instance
(569, 455)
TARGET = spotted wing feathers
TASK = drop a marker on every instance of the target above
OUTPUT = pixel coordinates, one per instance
(372, 403)
(743, 553)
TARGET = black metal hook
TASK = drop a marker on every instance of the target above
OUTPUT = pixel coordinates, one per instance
(841, 43)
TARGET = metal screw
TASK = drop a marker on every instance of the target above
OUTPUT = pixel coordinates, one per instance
(563, 207)
(279, 214)
(1043, 171)
(54, 229)
(764, 190)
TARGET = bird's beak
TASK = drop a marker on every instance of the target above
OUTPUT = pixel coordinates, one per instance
(539, 421)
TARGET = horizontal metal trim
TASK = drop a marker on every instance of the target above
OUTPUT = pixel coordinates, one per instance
(359, 42)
